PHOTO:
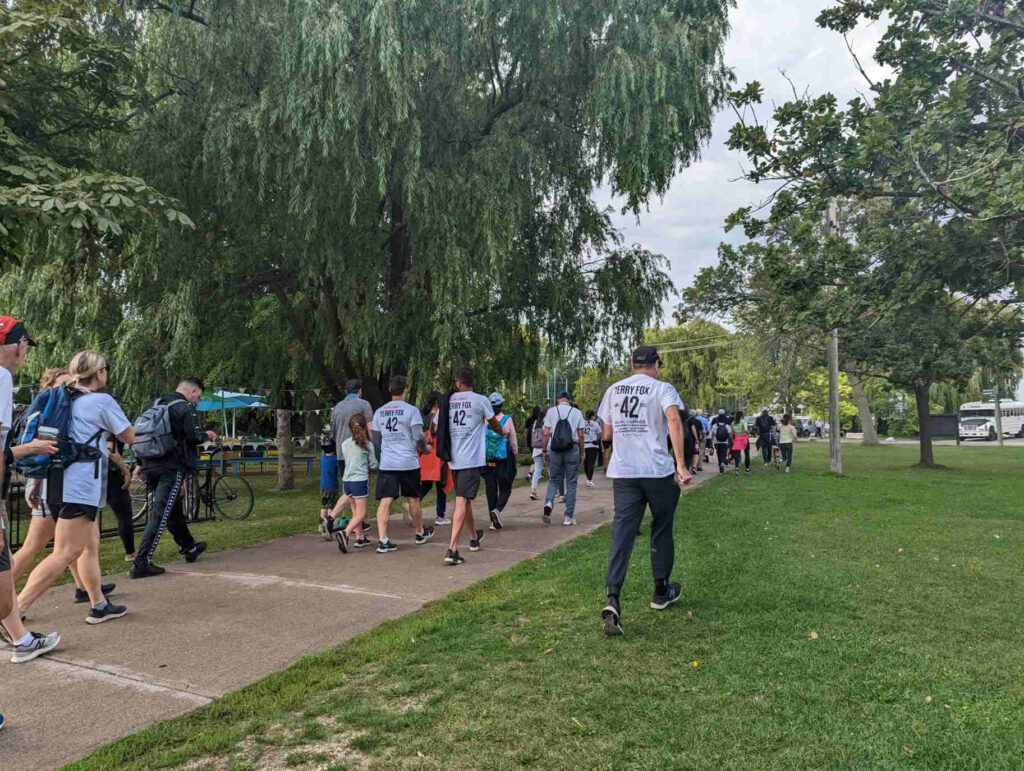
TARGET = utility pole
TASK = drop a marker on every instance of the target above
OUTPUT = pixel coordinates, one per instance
(999, 418)
(835, 449)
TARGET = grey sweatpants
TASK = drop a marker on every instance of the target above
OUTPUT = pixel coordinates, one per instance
(632, 496)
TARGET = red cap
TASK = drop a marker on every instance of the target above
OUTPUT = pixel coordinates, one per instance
(13, 332)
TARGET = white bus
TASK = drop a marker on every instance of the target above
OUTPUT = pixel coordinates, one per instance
(978, 420)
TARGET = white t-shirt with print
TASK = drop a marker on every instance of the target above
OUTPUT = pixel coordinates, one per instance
(91, 413)
(574, 417)
(591, 433)
(394, 422)
(635, 409)
(6, 404)
(468, 413)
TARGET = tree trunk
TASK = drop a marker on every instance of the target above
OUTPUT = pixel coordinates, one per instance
(924, 423)
(285, 469)
(860, 399)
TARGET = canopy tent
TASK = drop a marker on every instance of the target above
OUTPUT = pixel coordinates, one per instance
(228, 400)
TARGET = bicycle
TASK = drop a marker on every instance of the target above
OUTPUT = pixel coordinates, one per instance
(228, 496)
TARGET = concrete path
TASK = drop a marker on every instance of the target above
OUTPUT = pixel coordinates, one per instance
(234, 617)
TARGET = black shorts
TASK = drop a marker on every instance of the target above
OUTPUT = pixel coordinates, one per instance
(328, 498)
(467, 482)
(74, 511)
(398, 484)
(5, 550)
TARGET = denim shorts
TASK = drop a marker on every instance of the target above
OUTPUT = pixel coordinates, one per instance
(357, 489)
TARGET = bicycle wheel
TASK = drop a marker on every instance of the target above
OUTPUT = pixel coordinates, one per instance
(140, 501)
(232, 497)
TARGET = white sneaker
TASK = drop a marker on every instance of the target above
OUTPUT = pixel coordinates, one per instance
(442, 521)
(787, 469)
(590, 483)
(533, 494)
(569, 521)
(37, 646)
(561, 499)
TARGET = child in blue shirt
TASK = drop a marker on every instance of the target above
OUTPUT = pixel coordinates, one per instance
(328, 483)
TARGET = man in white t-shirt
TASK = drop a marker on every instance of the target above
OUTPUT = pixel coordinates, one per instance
(14, 345)
(592, 432)
(564, 455)
(468, 415)
(398, 437)
(640, 413)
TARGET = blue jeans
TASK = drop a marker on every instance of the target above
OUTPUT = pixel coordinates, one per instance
(564, 468)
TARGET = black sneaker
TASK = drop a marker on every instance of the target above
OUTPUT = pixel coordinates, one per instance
(495, 520)
(193, 554)
(361, 542)
(341, 538)
(147, 570)
(672, 593)
(610, 616)
(474, 543)
(747, 472)
(453, 557)
(426, 535)
(546, 516)
(83, 596)
(107, 614)
(383, 547)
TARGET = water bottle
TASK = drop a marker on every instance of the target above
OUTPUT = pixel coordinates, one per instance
(48, 432)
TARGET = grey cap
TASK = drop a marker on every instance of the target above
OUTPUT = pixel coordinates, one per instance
(495, 399)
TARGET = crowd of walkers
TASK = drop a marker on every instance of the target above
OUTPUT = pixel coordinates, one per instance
(455, 443)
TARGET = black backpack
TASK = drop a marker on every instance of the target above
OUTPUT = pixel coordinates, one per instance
(562, 437)
(721, 433)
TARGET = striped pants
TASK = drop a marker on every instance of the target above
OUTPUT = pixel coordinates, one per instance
(166, 513)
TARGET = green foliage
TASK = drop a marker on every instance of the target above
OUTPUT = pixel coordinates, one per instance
(814, 395)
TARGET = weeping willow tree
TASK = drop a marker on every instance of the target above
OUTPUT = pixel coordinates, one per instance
(387, 186)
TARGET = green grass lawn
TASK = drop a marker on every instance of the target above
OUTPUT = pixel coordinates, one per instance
(869, 621)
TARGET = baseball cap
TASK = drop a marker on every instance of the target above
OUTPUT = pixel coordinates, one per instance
(646, 356)
(721, 411)
(13, 332)
(496, 399)
(353, 385)
(764, 410)
(564, 395)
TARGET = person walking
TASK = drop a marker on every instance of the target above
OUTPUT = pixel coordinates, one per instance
(329, 484)
(119, 499)
(787, 437)
(740, 442)
(502, 451)
(14, 345)
(359, 457)
(819, 428)
(691, 439)
(352, 404)
(563, 447)
(434, 472)
(591, 446)
(166, 474)
(765, 425)
(641, 413)
(397, 431)
(75, 490)
(462, 443)
(535, 436)
(721, 430)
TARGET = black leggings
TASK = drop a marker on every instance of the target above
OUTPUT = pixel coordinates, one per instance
(498, 482)
(589, 459)
(120, 502)
(736, 456)
(722, 450)
(787, 454)
(442, 499)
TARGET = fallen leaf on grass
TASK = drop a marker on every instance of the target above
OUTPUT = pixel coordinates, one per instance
(547, 651)
(927, 699)
(812, 636)
(524, 620)
(899, 551)
(909, 750)
(759, 698)
(689, 614)
(695, 664)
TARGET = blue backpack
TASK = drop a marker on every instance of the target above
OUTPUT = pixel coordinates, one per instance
(497, 444)
(49, 415)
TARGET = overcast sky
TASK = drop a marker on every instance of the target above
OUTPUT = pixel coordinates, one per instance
(768, 37)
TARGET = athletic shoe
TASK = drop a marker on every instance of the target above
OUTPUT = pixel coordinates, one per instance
(326, 528)
(610, 616)
(590, 483)
(361, 542)
(441, 521)
(109, 613)
(383, 547)
(737, 472)
(193, 554)
(746, 471)
(721, 469)
(496, 520)
(1, 721)
(341, 538)
(37, 646)
(83, 596)
(766, 465)
(426, 535)
(672, 593)
(474, 543)
(546, 516)
(533, 495)
(569, 521)
(787, 469)
(561, 498)
(453, 557)
(149, 569)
